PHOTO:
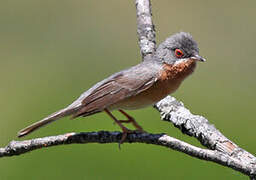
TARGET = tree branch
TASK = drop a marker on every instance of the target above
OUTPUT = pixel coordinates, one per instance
(145, 28)
(199, 127)
(21, 147)
(223, 151)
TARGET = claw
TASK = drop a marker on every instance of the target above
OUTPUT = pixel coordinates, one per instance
(124, 136)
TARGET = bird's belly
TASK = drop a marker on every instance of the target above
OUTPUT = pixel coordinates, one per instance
(148, 97)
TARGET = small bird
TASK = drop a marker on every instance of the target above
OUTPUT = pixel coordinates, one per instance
(136, 87)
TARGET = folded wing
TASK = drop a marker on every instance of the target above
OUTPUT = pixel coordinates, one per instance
(117, 88)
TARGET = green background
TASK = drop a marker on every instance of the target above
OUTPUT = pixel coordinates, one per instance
(51, 51)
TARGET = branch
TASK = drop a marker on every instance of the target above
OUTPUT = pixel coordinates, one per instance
(21, 147)
(199, 127)
(145, 28)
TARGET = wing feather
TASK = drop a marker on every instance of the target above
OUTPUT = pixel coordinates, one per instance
(117, 88)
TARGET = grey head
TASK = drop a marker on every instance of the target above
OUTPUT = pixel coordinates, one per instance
(178, 48)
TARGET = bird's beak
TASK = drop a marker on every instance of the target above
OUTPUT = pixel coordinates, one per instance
(198, 58)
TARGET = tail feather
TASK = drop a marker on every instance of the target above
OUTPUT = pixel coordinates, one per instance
(53, 117)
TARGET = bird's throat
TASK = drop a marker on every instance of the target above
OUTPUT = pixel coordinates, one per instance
(179, 70)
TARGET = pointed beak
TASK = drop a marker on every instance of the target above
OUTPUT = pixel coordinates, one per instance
(198, 58)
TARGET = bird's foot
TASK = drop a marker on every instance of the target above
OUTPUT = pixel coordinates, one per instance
(131, 120)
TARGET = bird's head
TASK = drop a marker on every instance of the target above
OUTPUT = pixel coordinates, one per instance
(178, 48)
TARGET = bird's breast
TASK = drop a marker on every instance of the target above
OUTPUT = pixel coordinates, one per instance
(170, 78)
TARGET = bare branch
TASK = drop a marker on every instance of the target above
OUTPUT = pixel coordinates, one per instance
(197, 126)
(21, 147)
(145, 28)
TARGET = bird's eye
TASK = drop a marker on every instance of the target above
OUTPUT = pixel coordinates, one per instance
(178, 53)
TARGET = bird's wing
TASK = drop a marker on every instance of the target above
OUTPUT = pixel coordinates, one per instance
(118, 87)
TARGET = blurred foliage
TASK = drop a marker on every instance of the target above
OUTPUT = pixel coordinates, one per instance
(51, 51)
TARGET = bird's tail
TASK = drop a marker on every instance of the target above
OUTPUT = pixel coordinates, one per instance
(53, 117)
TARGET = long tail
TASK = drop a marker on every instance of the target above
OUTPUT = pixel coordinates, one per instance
(53, 117)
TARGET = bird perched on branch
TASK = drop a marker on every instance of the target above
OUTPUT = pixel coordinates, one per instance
(137, 87)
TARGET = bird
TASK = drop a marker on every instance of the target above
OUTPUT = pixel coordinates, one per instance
(136, 87)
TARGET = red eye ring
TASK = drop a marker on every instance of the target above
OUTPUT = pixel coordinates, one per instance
(178, 53)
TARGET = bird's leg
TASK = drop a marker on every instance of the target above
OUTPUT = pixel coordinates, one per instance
(124, 129)
(130, 120)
